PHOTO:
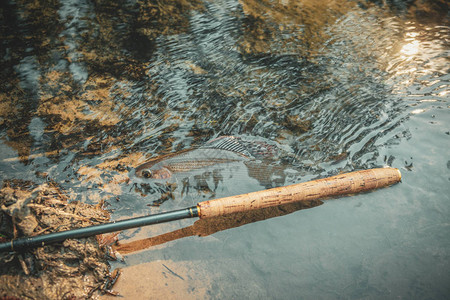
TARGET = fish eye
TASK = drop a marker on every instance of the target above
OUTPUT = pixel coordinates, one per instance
(147, 173)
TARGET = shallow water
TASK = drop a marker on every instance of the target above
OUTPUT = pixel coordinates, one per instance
(91, 90)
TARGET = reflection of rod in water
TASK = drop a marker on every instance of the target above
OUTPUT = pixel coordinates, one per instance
(207, 226)
(343, 184)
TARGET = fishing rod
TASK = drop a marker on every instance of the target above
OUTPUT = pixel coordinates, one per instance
(343, 184)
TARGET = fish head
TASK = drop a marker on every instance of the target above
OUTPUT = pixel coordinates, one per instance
(154, 180)
(155, 172)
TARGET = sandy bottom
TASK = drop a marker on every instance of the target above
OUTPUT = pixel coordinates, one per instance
(162, 279)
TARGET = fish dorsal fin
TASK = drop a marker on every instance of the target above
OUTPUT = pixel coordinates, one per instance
(228, 143)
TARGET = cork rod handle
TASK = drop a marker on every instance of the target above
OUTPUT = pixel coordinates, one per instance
(344, 184)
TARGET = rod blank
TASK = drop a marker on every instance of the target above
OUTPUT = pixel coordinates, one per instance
(22, 244)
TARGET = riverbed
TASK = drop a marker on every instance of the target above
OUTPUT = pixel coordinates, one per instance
(92, 89)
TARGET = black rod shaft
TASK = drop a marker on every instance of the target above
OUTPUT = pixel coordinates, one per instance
(22, 244)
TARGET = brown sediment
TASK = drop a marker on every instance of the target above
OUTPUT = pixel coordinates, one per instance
(296, 124)
(15, 117)
(266, 20)
(75, 112)
(73, 269)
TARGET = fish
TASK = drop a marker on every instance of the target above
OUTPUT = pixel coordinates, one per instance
(220, 150)
(223, 162)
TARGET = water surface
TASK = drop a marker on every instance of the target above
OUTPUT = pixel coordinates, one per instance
(91, 89)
